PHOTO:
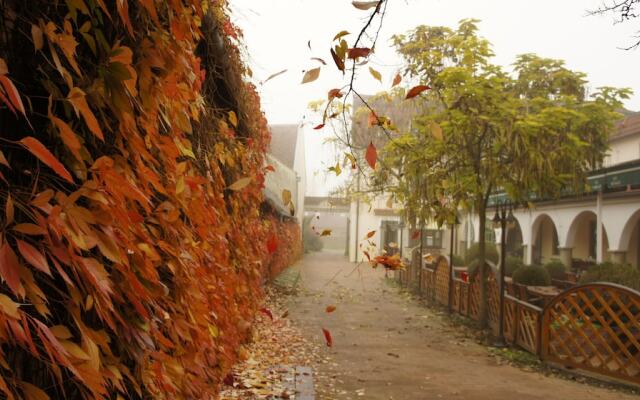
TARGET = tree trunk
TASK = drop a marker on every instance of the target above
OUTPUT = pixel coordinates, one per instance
(482, 270)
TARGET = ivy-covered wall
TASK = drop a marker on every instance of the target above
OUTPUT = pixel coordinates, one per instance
(131, 174)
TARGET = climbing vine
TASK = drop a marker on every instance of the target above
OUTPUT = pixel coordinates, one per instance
(133, 244)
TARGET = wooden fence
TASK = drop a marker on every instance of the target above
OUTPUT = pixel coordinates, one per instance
(592, 328)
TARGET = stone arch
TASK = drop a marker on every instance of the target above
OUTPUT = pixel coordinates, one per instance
(581, 235)
(628, 229)
(544, 247)
(515, 239)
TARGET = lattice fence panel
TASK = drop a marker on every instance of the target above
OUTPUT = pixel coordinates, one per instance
(528, 327)
(474, 298)
(510, 313)
(442, 281)
(493, 299)
(595, 328)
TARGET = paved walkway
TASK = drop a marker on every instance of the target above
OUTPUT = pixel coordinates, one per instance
(387, 346)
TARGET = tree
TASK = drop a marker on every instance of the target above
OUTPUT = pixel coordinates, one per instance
(487, 131)
(625, 10)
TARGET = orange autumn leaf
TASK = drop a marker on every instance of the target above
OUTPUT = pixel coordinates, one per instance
(327, 337)
(272, 244)
(12, 92)
(396, 80)
(10, 268)
(371, 155)
(33, 256)
(330, 309)
(77, 98)
(43, 154)
(416, 90)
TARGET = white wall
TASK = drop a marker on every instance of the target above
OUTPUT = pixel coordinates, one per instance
(299, 166)
(623, 150)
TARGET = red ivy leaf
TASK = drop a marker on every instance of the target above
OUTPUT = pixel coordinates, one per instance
(272, 244)
(396, 80)
(358, 52)
(339, 61)
(416, 235)
(416, 90)
(33, 256)
(37, 149)
(10, 268)
(371, 155)
(327, 337)
(267, 312)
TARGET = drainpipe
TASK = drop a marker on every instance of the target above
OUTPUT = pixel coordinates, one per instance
(599, 237)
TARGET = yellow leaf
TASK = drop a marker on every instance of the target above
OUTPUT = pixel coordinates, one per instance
(61, 332)
(286, 196)
(9, 307)
(77, 98)
(240, 183)
(214, 331)
(32, 392)
(311, 75)
(375, 74)
(75, 350)
(326, 232)
(233, 118)
(340, 34)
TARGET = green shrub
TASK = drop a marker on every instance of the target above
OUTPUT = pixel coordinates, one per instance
(556, 269)
(491, 253)
(625, 275)
(512, 264)
(532, 275)
(458, 261)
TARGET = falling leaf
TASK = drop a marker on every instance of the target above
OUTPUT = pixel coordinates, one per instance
(365, 5)
(415, 235)
(370, 235)
(396, 80)
(337, 60)
(340, 34)
(318, 127)
(240, 183)
(330, 309)
(336, 169)
(267, 312)
(375, 74)
(372, 155)
(358, 52)
(43, 154)
(33, 256)
(327, 337)
(436, 130)
(285, 314)
(37, 37)
(286, 196)
(333, 93)
(320, 60)
(352, 160)
(326, 232)
(416, 90)
(272, 243)
(274, 75)
(311, 75)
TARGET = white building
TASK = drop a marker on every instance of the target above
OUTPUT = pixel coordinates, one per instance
(600, 225)
(286, 155)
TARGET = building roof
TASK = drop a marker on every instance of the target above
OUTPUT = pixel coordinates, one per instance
(629, 126)
(283, 143)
